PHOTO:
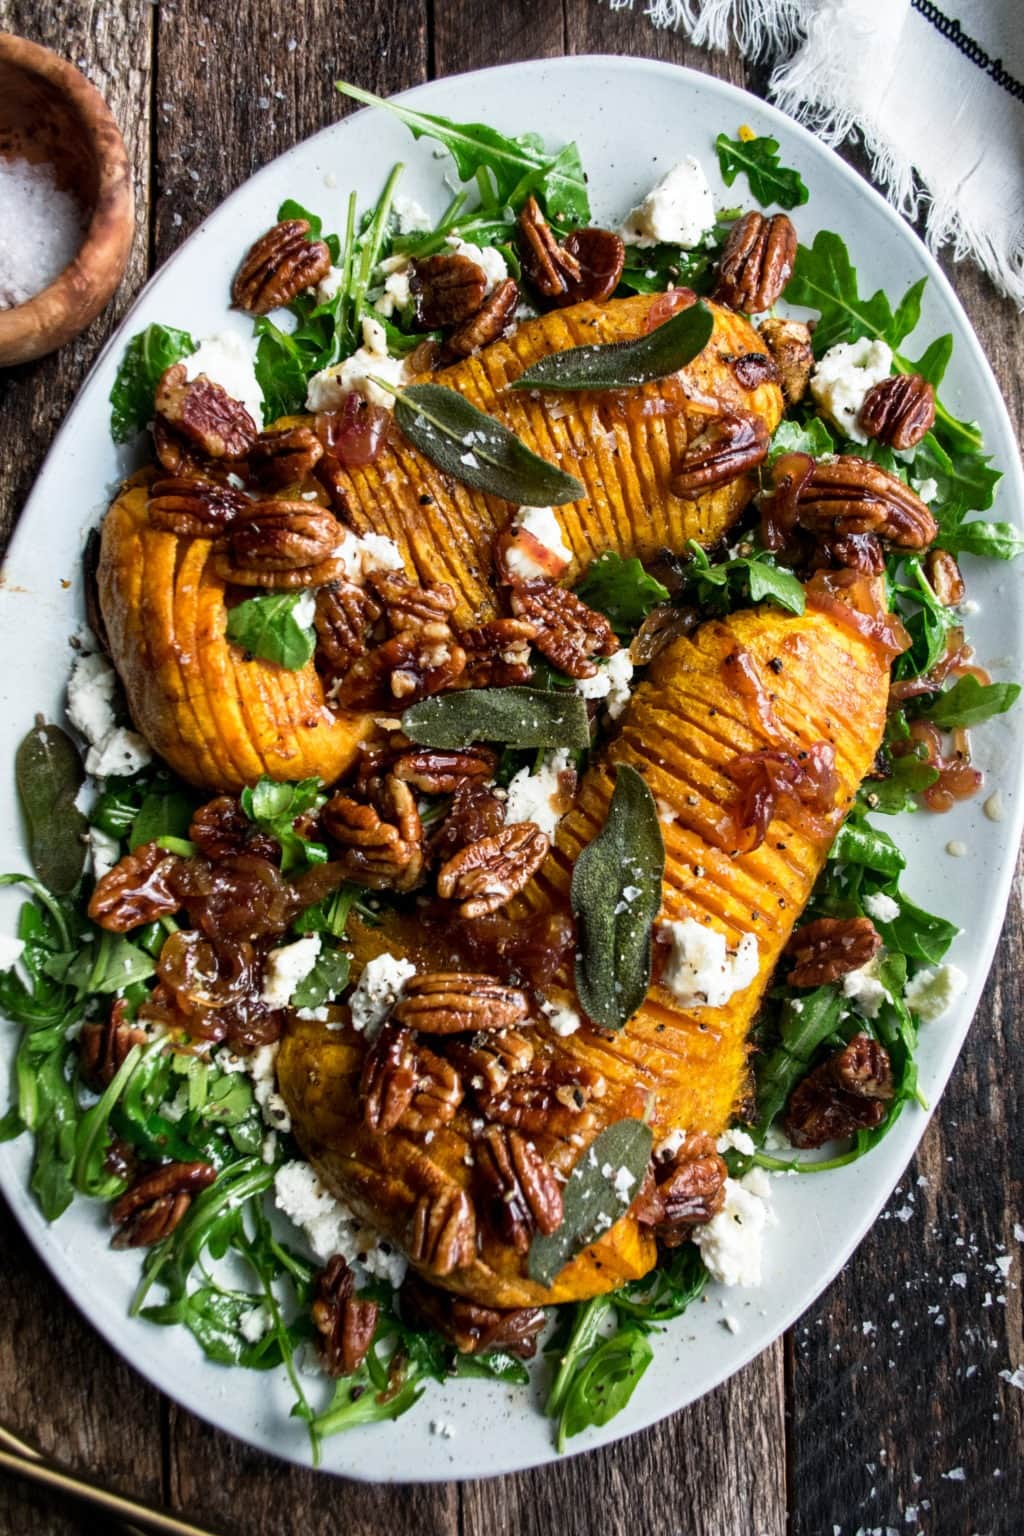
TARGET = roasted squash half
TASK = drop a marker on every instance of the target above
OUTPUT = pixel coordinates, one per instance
(221, 718)
(818, 679)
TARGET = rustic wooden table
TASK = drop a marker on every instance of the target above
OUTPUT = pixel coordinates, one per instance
(884, 1409)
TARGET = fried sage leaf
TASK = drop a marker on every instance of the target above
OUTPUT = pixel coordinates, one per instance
(596, 1194)
(616, 895)
(49, 774)
(479, 451)
(517, 717)
(623, 364)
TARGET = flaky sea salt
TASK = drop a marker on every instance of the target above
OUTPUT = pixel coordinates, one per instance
(40, 230)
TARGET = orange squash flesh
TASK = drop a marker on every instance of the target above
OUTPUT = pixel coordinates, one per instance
(821, 682)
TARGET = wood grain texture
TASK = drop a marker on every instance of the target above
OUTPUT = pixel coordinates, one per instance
(834, 1435)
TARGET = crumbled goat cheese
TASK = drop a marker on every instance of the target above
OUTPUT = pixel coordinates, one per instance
(366, 552)
(926, 489)
(378, 990)
(11, 951)
(90, 708)
(563, 1019)
(104, 851)
(314, 1015)
(40, 232)
(881, 907)
(670, 1144)
(610, 682)
(286, 967)
(329, 285)
(678, 211)
(731, 1243)
(252, 1325)
(735, 1139)
(537, 796)
(490, 261)
(411, 216)
(541, 551)
(700, 970)
(397, 294)
(261, 1066)
(304, 611)
(931, 992)
(331, 1227)
(865, 988)
(842, 378)
(229, 360)
(121, 753)
(327, 389)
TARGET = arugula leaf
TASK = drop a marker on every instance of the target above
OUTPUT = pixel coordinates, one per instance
(824, 279)
(622, 590)
(908, 777)
(667, 1291)
(806, 1022)
(283, 365)
(964, 482)
(605, 1384)
(327, 978)
(811, 436)
(654, 269)
(290, 209)
(858, 843)
(518, 166)
(997, 541)
(266, 627)
(330, 914)
(769, 181)
(969, 702)
(275, 808)
(916, 934)
(723, 586)
(146, 357)
(162, 815)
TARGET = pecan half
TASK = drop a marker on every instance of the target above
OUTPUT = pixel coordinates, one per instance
(600, 256)
(470, 1327)
(284, 456)
(486, 875)
(156, 1203)
(382, 844)
(345, 1323)
(437, 1095)
(276, 536)
(410, 607)
(438, 772)
(458, 1002)
(423, 655)
(550, 1099)
(754, 369)
(194, 508)
(831, 947)
(519, 1193)
(489, 322)
(497, 653)
(846, 1094)
(171, 452)
(447, 289)
(686, 1190)
(104, 1044)
(944, 575)
(851, 552)
(757, 262)
(137, 890)
(548, 265)
(729, 446)
(899, 410)
(789, 342)
(487, 1061)
(442, 1234)
(345, 616)
(842, 496)
(278, 267)
(388, 1079)
(205, 414)
(568, 633)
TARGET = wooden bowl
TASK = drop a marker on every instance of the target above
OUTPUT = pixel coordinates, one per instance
(50, 112)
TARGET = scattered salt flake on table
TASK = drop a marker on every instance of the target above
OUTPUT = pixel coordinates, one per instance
(1004, 1262)
(1014, 1377)
(959, 1279)
(955, 1475)
(40, 232)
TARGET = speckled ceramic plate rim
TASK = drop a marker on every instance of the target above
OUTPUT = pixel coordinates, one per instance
(497, 1429)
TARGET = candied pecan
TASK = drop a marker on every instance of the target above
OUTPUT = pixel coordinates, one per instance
(437, 772)
(789, 342)
(457, 1002)
(846, 1094)
(852, 552)
(470, 1327)
(899, 410)
(274, 536)
(497, 653)
(487, 1061)
(831, 947)
(221, 827)
(729, 446)
(568, 632)
(388, 1080)
(345, 1323)
(771, 780)
(489, 321)
(194, 508)
(345, 616)
(686, 1190)
(437, 1094)
(442, 1233)
(757, 262)
(754, 369)
(171, 452)
(548, 265)
(241, 896)
(665, 623)
(475, 813)
(600, 256)
(841, 496)
(549, 1099)
(519, 1194)
(944, 577)
(447, 289)
(103, 1045)
(203, 413)
(137, 890)
(284, 456)
(486, 875)
(156, 1203)
(407, 605)
(382, 843)
(278, 267)
(408, 667)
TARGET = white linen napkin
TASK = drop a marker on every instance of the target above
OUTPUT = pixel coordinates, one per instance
(936, 94)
